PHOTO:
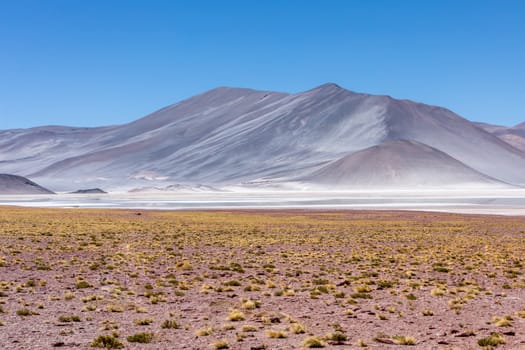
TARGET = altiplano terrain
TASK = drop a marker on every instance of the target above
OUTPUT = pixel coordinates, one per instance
(82, 279)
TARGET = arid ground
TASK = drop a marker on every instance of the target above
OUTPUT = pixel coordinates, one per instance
(82, 278)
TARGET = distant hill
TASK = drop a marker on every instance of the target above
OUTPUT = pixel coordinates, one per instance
(230, 136)
(514, 136)
(399, 164)
(13, 184)
(89, 191)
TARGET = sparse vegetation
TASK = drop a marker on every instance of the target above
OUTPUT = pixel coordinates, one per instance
(107, 342)
(242, 275)
(273, 333)
(222, 344)
(492, 340)
(204, 332)
(26, 312)
(143, 321)
(404, 340)
(82, 285)
(169, 324)
(235, 315)
(249, 328)
(72, 318)
(297, 328)
(313, 342)
(337, 337)
(140, 338)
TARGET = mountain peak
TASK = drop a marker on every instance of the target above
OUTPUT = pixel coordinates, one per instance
(329, 87)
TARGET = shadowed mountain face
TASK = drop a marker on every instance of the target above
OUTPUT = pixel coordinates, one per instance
(230, 135)
(399, 164)
(12, 184)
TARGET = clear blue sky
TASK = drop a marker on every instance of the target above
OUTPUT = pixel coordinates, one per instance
(99, 62)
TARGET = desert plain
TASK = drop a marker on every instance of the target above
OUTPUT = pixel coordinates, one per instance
(260, 279)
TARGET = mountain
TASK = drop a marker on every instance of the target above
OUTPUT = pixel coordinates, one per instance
(234, 135)
(89, 191)
(399, 164)
(13, 184)
(514, 136)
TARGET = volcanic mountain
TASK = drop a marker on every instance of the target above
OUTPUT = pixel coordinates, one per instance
(13, 184)
(235, 136)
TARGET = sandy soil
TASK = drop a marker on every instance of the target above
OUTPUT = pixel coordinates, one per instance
(350, 279)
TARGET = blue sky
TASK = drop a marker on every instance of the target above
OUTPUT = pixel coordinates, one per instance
(99, 62)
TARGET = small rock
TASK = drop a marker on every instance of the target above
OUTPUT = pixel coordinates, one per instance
(275, 320)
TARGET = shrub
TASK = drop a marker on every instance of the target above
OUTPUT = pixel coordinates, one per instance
(25, 312)
(235, 315)
(249, 328)
(313, 342)
(494, 339)
(272, 333)
(107, 342)
(169, 324)
(140, 338)
(297, 328)
(82, 285)
(143, 322)
(69, 319)
(223, 344)
(232, 283)
(203, 332)
(404, 340)
(337, 337)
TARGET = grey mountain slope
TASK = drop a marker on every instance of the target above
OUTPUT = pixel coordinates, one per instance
(399, 164)
(514, 136)
(230, 135)
(491, 128)
(23, 149)
(13, 184)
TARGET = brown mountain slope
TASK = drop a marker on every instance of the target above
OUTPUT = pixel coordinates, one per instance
(398, 163)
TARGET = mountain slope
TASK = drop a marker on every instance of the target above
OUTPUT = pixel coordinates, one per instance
(13, 184)
(399, 164)
(514, 136)
(231, 135)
